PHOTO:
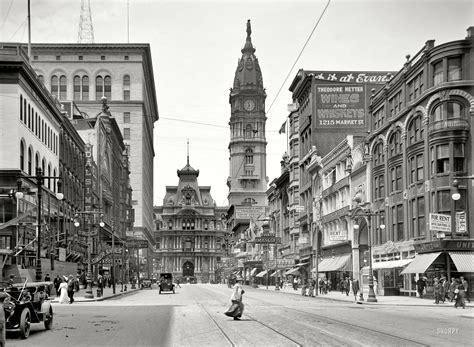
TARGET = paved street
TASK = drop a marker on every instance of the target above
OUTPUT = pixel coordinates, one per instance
(194, 317)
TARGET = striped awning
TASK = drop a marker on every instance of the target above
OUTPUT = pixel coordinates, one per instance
(464, 261)
(391, 264)
(293, 271)
(339, 263)
(254, 270)
(262, 273)
(421, 263)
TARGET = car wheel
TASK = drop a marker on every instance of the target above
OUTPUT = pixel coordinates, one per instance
(48, 322)
(25, 323)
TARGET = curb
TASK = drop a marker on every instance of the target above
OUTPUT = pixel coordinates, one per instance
(102, 298)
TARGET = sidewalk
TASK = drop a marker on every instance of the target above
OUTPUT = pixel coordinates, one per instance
(107, 294)
(381, 300)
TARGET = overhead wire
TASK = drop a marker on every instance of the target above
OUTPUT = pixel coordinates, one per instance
(6, 17)
(298, 57)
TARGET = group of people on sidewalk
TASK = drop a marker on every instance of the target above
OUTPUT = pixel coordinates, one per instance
(65, 287)
(457, 290)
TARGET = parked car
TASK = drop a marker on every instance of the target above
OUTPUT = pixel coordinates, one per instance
(25, 304)
(166, 282)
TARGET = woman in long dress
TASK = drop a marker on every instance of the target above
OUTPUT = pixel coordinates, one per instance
(63, 297)
(237, 307)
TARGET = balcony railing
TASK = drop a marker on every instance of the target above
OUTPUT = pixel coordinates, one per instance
(455, 123)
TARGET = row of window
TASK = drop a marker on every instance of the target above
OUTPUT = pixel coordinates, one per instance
(81, 87)
(30, 117)
(28, 163)
(447, 69)
(81, 57)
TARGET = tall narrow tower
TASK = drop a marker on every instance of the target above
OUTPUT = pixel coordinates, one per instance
(86, 31)
(247, 179)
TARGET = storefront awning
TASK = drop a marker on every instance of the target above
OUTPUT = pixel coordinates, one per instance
(391, 264)
(262, 273)
(339, 263)
(464, 261)
(293, 271)
(276, 273)
(421, 263)
(254, 270)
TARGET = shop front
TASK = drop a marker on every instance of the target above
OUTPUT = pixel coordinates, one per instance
(443, 258)
(335, 263)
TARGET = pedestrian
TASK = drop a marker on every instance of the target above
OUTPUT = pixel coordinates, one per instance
(321, 286)
(460, 295)
(237, 307)
(346, 286)
(355, 288)
(177, 283)
(71, 288)
(47, 278)
(295, 283)
(376, 286)
(444, 290)
(100, 285)
(420, 286)
(466, 288)
(56, 282)
(452, 288)
(63, 297)
(436, 290)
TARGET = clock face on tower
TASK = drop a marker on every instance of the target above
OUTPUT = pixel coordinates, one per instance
(249, 105)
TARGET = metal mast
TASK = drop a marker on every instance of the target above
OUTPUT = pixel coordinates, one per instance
(86, 31)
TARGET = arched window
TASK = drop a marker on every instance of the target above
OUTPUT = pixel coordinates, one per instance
(448, 110)
(30, 158)
(22, 155)
(55, 85)
(85, 88)
(248, 156)
(41, 78)
(395, 144)
(248, 131)
(108, 87)
(77, 88)
(49, 174)
(126, 87)
(62, 88)
(29, 116)
(43, 166)
(37, 160)
(99, 87)
(415, 130)
(379, 157)
(21, 108)
(54, 185)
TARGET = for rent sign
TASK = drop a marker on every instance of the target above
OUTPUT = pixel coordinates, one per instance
(440, 222)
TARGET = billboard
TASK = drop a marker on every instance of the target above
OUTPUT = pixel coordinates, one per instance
(342, 98)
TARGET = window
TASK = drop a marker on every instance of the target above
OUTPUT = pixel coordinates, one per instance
(415, 164)
(55, 85)
(438, 75)
(81, 57)
(126, 57)
(397, 222)
(77, 88)
(396, 178)
(415, 87)
(170, 224)
(29, 116)
(58, 57)
(21, 108)
(248, 156)
(108, 87)
(417, 214)
(99, 87)
(379, 187)
(102, 57)
(22, 155)
(395, 104)
(248, 131)
(379, 157)
(448, 110)
(378, 118)
(126, 117)
(41, 78)
(30, 158)
(62, 88)
(444, 201)
(85, 88)
(37, 160)
(35, 57)
(415, 130)
(458, 157)
(126, 133)
(442, 159)
(248, 172)
(395, 146)
(126, 87)
(454, 69)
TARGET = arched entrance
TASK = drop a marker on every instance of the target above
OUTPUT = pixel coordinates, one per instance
(188, 269)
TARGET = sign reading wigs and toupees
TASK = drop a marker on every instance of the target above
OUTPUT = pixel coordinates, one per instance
(340, 105)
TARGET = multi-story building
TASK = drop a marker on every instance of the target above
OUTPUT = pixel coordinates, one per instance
(123, 73)
(190, 230)
(35, 135)
(420, 144)
(247, 179)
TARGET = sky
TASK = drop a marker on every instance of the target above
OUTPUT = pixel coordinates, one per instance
(196, 45)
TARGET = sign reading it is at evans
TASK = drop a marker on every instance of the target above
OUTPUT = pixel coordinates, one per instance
(440, 222)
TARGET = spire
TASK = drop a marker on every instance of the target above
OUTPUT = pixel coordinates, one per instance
(188, 153)
(86, 31)
(248, 48)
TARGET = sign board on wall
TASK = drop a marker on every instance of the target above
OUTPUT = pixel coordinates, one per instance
(249, 212)
(461, 222)
(337, 235)
(440, 222)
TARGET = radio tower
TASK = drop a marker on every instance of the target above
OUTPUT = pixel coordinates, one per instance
(86, 31)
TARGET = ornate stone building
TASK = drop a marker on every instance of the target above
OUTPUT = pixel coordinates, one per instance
(189, 230)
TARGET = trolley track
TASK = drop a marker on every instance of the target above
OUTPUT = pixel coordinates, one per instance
(328, 321)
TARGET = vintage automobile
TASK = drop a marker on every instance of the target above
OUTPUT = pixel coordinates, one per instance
(166, 282)
(146, 283)
(27, 303)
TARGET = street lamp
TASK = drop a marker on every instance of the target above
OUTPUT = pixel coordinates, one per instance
(88, 294)
(363, 210)
(59, 195)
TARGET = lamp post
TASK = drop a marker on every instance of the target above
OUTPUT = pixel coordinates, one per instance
(59, 195)
(363, 210)
(88, 294)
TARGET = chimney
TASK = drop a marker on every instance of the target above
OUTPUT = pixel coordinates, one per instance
(470, 33)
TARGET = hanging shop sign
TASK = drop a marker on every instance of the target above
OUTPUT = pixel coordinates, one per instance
(461, 222)
(105, 254)
(268, 238)
(137, 244)
(440, 223)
